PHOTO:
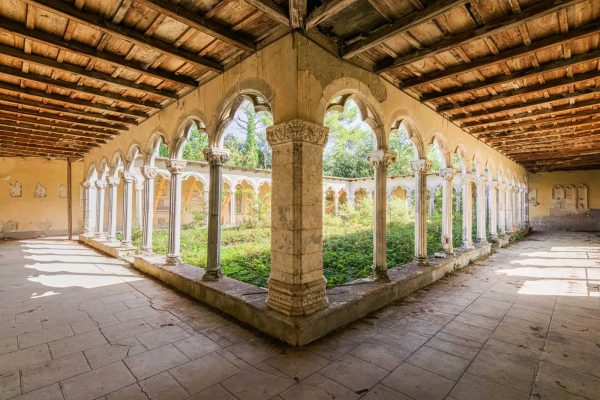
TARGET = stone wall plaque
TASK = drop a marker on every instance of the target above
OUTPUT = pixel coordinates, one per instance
(40, 191)
(16, 189)
(569, 200)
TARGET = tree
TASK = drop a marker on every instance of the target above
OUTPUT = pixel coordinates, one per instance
(193, 149)
(405, 153)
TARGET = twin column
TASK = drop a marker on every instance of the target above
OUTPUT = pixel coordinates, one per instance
(421, 168)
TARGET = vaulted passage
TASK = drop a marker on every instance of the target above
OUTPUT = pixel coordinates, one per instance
(82, 325)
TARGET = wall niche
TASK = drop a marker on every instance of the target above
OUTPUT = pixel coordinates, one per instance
(569, 199)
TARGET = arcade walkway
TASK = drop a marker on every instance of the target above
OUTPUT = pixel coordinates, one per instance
(76, 325)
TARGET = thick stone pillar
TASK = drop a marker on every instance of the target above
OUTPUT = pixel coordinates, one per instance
(493, 207)
(421, 168)
(508, 209)
(100, 190)
(447, 174)
(139, 200)
(113, 187)
(297, 284)
(149, 174)
(205, 199)
(88, 209)
(481, 210)
(380, 159)
(215, 157)
(232, 207)
(128, 180)
(502, 209)
(175, 167)
(467, 210)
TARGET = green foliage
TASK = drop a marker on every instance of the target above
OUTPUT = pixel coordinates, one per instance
(195, 145)
(405, 153)
(163, 150)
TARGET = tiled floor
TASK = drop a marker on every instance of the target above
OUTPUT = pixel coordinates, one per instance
(525, 324)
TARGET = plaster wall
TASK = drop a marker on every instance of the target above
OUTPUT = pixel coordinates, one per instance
(22, 215)
(539, 213)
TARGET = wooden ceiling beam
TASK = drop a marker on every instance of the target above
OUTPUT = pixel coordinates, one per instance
(274, 11)
(549, 139)
(65, 110)
(36, 154)
(298, 10)
(63, 118)
(553, 66)
(125, 33)
(56, 125)
(547, 134)
(200, 23)
(587, 144)
(8, 138)
(516, 52)
(13, 27)
(400, 26)
(17, 73)
(7, 144)
(83, 72)
(527, 90)
(326, 10)
(71, 100)
(505, 22)
(8, 126)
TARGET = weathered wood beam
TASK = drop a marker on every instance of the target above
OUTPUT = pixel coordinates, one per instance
(35, 154)
(589, 143)
(326, 10)
(274, 11)
(517, 93)
(17, 73)
(6, 126)
(13, 27)
(516, 52)
(131, 35)
(553, 66)
(65, 110)
(528, 136)
(10, 138)
(463, 38)
(71, 100)
(569, 158)
(75, 128)
(200, 23)
(298, 10)
(63, 118)
(7, 144)
(83, 72)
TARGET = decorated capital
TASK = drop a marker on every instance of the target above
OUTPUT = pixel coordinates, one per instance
(381, 158)
(176, 166)
(420, 166)
(297, 130)
(216, 155)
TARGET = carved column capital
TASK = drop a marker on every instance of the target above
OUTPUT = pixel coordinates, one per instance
(86, 185)
(216, 155)
(128, 177)
(492, 184)
(465, 178)
(447, 174)
(381, 158)
(481, 180)
(113, 181)
(297, 130)
(176, 166)
(420, 166)
(101, 184)
(149, 172)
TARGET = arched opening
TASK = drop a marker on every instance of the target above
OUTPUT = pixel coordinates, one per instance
(434, 198)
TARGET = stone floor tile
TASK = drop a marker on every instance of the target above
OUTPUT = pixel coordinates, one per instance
(203, 372)
(578, 361)
(524, 325)
(125, 329)
(297, 363)
(536, 317)
(233, 358)
(354, 373)
(318, 387)
(472, 387)
(420, 326)
(65, 319)
(466, 331)
(567, 380)
(402, 339)
(545, 393)
(533, 340)
(196, 346)
(10, 384)
(253, 350)
(479, 320)
(96, 383)
(52, 392)
(418, 383)
(106, 354)
(505, 369)
(216, 392)
(254, 384)
(380, 354)
(44, 336)
(439, 362)
(514, 349)
(332, 348)
(131, 392)
(161, 336)
(154, 361)
(454, 345)
(19, 359)
(53, 371)
(77, 343)
(84, 326)
(8, 344)
(382, 392)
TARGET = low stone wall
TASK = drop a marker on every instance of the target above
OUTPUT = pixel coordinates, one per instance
(112, 249)
(348, 302)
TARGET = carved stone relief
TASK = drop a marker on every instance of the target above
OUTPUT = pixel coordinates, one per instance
(62, 191)
(16, 189)
(40, 190)
(569, 199)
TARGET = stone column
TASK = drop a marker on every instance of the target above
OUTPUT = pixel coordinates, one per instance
(526, 210)
(175, 167)
(149, 174)
(335, 203)
(88, 210)
(421, 169)
(139, 214)
(501, 209)
(380, 159)
(297, 284)
(447, 174)
(515, 222)
(493, 207)
(481, 210)
(232, 207)
(100, 190)
(128, 180)
(431, 204)
(350, 201)
(508, 209)
(113, 187)
(467, 210)
(458, 200)
(215, 157)
(205, 199)
(409, 194)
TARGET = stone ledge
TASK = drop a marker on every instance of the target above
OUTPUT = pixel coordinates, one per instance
(113, 249)
(348, 302)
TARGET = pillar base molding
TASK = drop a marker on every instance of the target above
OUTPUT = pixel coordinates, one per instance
(100, 236)
(212, 275)
(482, 241)
(494, 238)
(380, 274)
(423, 261)
(448, 249)
(468, 245)
(173, 260)
(298, 299)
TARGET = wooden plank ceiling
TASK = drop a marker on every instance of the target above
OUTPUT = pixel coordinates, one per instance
(521, 75)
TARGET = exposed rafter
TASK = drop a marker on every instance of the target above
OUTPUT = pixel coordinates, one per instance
(52, 124)
(274, 11)
(298, 10)
(326, 10)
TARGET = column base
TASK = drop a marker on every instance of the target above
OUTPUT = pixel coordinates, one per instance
(297, 300)
(147, 250)
(421, 260)
(494, 238)
(468, 245)
(173, 260)
(101, 237)
(212, 275)
(482, 241)
(380, 275)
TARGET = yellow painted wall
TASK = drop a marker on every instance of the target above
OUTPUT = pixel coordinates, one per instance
(30, 216)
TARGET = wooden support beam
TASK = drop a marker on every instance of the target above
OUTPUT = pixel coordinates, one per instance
(528, 136)
(559, 155)
(69, 127)
(518, 93)
(589, 142)
(327, 10)
(50, 135)
(35, 154)
(17, 73)
(17, 29)
(505, 22)
(274, 11)
(553, 66)
(400, 26)
(83, 72)
(298, 10)
(125, 33)
(200, 23)
(6, 137)
(8, 144)
(516, 52)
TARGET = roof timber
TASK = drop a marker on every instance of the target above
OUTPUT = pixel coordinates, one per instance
(273, 10)
(298, 10)
(52, 124)
(326, 10)
(93, 21)
(28, 129)
(70, 144)
(567, 126)
(32, 146)
(557, 135)
(19, 30)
